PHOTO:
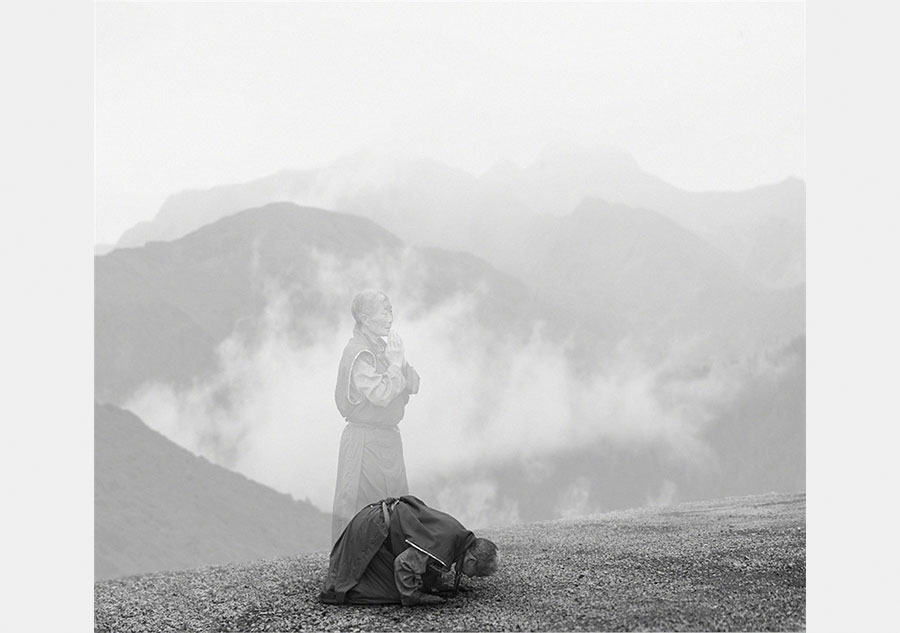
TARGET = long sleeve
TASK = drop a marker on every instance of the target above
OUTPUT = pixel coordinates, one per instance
(409, 567)
(412, 379)
(377, 388)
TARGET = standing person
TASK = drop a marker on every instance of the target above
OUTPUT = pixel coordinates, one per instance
(373, 387)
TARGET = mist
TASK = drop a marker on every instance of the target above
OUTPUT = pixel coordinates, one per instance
(708, 96)
(489, 399)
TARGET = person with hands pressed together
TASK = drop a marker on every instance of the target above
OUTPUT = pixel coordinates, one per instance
(373, 387)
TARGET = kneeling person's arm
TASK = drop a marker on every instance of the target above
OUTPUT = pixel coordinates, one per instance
(409, 567)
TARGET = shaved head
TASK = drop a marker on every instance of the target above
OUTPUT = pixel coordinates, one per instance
(367, 303)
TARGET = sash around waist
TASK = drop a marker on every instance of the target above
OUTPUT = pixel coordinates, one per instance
(377, 427)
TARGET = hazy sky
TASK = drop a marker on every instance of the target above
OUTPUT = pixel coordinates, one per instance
(706, 96)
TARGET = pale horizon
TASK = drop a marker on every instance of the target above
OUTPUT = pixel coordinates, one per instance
(190, 96)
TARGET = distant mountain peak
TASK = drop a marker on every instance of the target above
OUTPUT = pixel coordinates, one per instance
(595, 207)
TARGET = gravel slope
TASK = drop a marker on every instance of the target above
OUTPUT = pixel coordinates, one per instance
(729, 564)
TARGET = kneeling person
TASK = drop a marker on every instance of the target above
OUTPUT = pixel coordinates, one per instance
(396, 550)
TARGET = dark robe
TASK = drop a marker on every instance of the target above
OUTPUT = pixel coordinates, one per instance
(354, 407)
(361, 565)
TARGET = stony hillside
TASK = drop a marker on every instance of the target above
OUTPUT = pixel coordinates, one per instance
(735, 564)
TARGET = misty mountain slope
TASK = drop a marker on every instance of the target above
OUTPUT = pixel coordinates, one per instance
(213, 279)
(427, 203)
(564, 174)
(638, 371)
(188, 210)
(159, 507)
(422, 201)
(654, 275)
(761, 229)
(761, 438)
(136, 326)
(750, 442)
(226, 277)
(219, 265)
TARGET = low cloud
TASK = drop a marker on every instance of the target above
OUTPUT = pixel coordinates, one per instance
(268, 411)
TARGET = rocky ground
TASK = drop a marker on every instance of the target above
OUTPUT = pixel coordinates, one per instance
(735, 564)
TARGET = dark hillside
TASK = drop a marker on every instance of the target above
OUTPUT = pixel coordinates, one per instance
(163, 308)
(158, 506)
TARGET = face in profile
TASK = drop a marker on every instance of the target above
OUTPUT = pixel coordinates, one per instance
(379, 322)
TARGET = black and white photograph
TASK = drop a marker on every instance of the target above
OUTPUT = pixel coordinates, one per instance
(454, 316)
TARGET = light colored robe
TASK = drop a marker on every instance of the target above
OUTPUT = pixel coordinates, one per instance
(370, 458)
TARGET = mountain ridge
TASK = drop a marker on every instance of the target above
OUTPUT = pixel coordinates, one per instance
(428, 203)
(159, 507)
(736, 222)
(270, 287)
(215, 276)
